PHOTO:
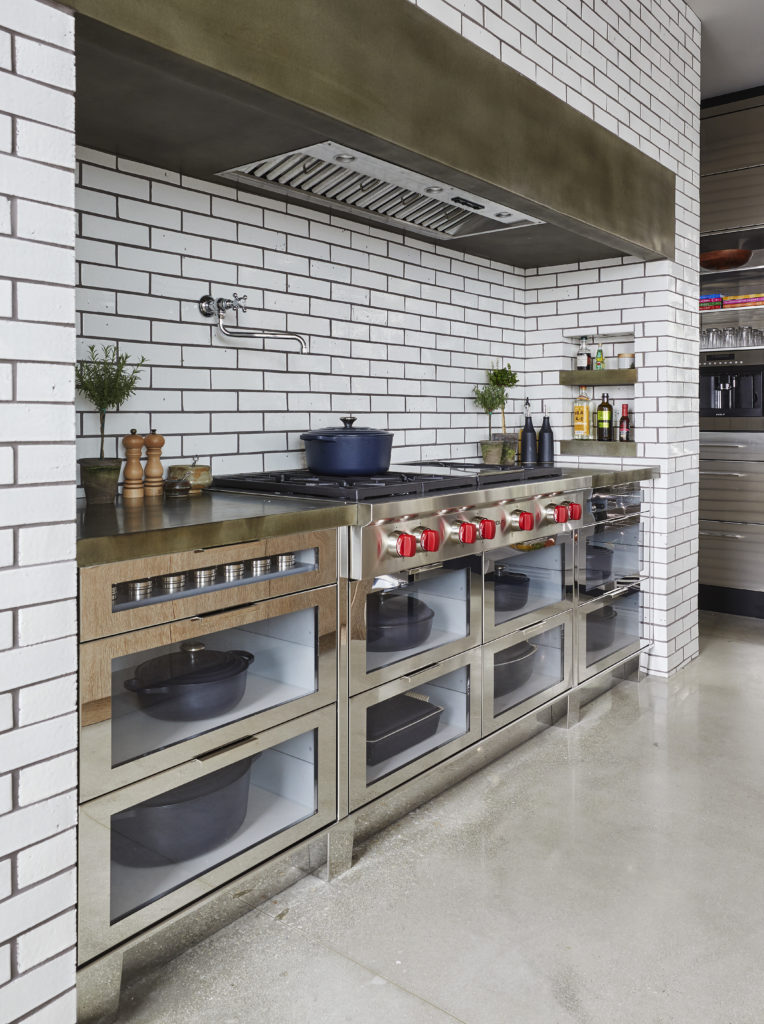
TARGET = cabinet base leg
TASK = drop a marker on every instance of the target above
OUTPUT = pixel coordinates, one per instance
(339, 849)
(98, 988)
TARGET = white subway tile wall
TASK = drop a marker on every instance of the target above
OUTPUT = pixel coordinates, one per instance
(633, 67)
(38, 735)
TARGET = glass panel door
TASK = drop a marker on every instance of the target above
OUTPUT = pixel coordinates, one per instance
(610, 629)
(150, 848)
(405, 621)
(167, 687)
(401, 728)
(525, 669)
(609, 557)
(527, 582)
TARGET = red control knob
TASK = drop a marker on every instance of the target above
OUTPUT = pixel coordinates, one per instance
(560, 514)
(574, 510)
(429, 540)
(405, 545)
(467, 533)
(525, 521)
(487, 528)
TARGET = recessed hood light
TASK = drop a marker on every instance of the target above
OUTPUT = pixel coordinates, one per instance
(380, 191)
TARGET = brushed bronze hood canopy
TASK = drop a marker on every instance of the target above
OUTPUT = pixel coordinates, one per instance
(374, 110)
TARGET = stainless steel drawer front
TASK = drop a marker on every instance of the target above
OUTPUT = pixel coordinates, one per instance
(732, 555)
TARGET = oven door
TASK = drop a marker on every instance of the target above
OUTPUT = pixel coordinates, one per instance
(150, 699)
(151, 848)
(526, 582)
(405, 621)
(609, 556)
(402, 728)
(525, 669)
(610, 629)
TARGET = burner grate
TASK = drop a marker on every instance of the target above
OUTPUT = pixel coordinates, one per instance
(303, 483)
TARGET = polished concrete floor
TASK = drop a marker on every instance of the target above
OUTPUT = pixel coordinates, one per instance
(612, 873)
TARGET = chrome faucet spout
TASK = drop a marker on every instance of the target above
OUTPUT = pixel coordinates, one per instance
(208, 306)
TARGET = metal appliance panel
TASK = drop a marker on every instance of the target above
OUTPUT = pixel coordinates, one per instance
(550, 589)
(731, 446)
(177, 742)
(423, 756)
(97, 875)
(552, 673)
(461, 636)
(732, 491)
(732, 554)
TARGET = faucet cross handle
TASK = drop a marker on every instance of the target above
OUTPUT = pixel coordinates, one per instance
(238, 302)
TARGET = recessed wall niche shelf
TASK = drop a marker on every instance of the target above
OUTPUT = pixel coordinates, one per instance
(609, 449)
(593, 378)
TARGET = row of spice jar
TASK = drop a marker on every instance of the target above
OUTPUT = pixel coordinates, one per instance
(232, 572)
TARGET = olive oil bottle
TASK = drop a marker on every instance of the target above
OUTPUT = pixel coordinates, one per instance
(604, 420)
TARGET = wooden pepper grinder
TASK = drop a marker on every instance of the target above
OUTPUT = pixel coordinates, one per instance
(132, 485)
(152, 474)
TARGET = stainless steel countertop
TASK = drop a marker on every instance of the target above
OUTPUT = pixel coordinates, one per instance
(114, 533)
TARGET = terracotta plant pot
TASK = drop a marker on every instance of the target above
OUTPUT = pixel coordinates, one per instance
(99, 478)
(492, 451)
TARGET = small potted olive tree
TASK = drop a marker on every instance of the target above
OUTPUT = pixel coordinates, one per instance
(489, 398)
(505, 378)
(107, 380)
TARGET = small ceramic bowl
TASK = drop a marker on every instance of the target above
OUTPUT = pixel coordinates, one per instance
(199, 477)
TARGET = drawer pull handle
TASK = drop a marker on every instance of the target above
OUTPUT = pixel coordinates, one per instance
(729, 536)
(219, 751)
(709, 472)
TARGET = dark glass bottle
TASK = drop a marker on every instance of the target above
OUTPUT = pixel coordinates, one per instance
(546, 443)
(528, 448)
(604, 420)
(624, 427)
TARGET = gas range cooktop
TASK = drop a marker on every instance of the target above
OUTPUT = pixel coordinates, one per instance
(409, 481)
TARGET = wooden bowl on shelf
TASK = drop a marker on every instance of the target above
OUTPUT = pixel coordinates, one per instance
(724, 259)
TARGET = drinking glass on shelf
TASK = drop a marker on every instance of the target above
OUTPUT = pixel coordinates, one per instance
(730, 337)
(757, 337)
(715, 337)
(746, 336)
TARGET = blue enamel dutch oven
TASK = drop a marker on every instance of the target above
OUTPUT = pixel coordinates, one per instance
(348, 450)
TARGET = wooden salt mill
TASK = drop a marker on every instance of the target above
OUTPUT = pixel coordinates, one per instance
(132, 485)
(152, 474)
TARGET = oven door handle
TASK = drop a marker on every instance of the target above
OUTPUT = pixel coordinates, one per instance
(421, 570)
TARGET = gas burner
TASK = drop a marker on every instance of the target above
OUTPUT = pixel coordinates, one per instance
(303, 483)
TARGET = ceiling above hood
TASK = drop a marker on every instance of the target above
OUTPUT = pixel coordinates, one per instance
(375, 111)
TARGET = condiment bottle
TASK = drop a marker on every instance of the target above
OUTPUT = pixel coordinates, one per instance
(546, 442)
(581, 423)
(528, 449)
(599, 360)
(604, 420)
(624, 427)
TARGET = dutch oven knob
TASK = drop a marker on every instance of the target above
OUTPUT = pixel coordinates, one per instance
(347, 421)
(192, 647)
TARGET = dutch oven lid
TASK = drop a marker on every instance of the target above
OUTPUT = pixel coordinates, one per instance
(516, 653)
(347, 430)
(193, 663)
(399, 610)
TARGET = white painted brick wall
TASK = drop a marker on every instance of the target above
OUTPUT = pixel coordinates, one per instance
(37, 622)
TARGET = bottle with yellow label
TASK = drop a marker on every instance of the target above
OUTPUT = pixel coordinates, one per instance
(581, 416)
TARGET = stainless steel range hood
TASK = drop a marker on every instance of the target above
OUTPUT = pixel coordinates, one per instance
(273, 93)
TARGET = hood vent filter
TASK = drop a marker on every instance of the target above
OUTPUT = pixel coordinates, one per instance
(342, 178)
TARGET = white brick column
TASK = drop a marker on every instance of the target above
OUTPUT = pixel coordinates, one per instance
(38, 721)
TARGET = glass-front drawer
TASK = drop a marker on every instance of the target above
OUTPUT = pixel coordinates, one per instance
(155, 846)
(527, 582)
(610, 629)
(404, 727)
(120, 596)
(525, 669)
(616, 501)
(609, 556)
(405, 621)
(149, 699)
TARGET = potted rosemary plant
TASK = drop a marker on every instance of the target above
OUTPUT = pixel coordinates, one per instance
(489, 398)
(505, 378)
(107, 380)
